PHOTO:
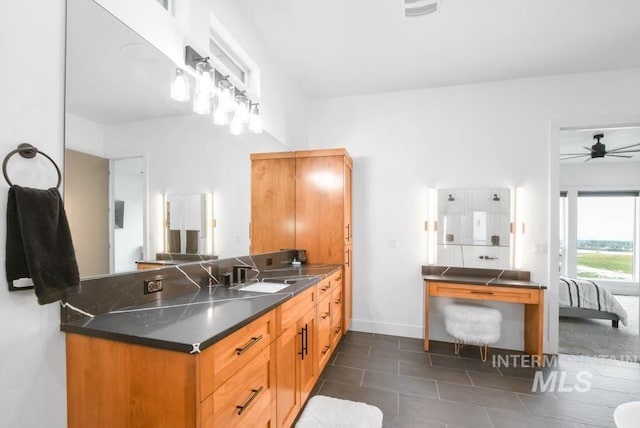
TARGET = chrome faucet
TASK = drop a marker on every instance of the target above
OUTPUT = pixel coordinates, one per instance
(239, 274)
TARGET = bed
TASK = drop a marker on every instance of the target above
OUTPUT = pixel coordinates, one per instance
(583, 298)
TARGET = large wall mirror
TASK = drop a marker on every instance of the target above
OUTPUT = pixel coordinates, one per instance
(474, 228)
(129, 145)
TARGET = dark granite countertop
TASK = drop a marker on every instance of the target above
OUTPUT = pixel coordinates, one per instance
(473, 276)
(195, 320)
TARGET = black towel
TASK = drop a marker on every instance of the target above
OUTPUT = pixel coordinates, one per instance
(39, 243)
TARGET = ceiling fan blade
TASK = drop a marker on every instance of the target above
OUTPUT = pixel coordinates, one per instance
(624, 151)
(575, 154)
(617, 149)
(618, 156)
(589, 149)
(573, 157)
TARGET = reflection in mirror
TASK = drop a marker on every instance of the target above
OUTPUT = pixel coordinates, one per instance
(189, 226)
(118, 107)
(474, 228)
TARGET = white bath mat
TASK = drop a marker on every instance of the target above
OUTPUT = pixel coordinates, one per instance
(328, 412)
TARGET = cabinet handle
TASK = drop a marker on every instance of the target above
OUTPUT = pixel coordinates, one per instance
(306, 340)
(326, 349)
(337, 301)
(253, 341)
(348, 227)
(339, 278)
(256, 392)
(338, 329)
(348, 253)
(324, 315)
(481, 292)
(323, 289)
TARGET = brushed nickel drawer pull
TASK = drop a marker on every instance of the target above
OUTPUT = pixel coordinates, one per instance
(253, 341)
(324, 315)
(481, 292)
(256, 392)
(326, 349)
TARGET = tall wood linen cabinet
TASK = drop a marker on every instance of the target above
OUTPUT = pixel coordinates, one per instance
(303, 200)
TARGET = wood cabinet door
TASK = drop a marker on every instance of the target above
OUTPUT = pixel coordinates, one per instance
(308, 365)
(347, 289)
(272, 204)
(320, 207)
(348, 229)
(289, 344)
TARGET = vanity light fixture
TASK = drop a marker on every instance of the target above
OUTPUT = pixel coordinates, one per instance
(180, 86)
(212, 88)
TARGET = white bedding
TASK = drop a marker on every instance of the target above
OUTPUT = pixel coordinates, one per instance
(586, 294)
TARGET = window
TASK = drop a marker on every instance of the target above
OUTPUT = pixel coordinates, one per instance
(234, 66)
(606, 235)
(562, 229)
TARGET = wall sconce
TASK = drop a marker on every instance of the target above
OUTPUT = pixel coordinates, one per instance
(215, 92)
(496, 198)
(431, 225)
(518, 227)
(451, 198)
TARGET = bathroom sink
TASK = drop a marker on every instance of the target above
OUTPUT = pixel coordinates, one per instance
(264, 287)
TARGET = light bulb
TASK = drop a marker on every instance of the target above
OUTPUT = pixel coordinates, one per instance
(236, 125)
(180, 86)
(255, 121)
(220, 117)
(204, 79)
(201, 103)
(242, 108)
(227, 103)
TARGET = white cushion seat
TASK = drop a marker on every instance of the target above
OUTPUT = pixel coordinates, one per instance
(473, 325)
(627, 415)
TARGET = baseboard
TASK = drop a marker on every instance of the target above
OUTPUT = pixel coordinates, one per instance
(393, 329)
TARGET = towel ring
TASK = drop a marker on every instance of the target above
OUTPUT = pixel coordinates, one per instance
(27, 151)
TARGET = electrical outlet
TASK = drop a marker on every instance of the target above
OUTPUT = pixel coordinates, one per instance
(152, 285)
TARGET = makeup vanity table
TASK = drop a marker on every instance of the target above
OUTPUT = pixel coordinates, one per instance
(495, 285)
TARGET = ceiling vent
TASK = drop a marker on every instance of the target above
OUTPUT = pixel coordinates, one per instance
(413, 8)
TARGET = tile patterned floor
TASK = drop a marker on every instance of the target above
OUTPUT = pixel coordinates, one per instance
(414, 388)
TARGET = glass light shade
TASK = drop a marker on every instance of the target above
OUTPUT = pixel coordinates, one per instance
(242, 108)
(204, 79)
(255, 121)
(236, 126)
(201, 103)
(180, 86)
(220, 117)
(227, 102)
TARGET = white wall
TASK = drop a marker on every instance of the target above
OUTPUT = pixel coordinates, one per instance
(484, 135)
(188, 154)
(32, 355)
(600, 176)
(84, 135)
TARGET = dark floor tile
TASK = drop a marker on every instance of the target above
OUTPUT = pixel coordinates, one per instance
(316, 388)
(632, 373)
(470, 351)
(527, 372)
(568, 410)
(511, 419)
(411, 344)
(385, 342)
(406, 421)
(384, 400)
(505, 383)
(400, 355)
(480, 396)
(434, 373)
(446, 412)
(405, 384)
(463, 364)
(616, 384)
(342, 374)
(370, 363)
(353, 348)
(358, 337)
(599, 397)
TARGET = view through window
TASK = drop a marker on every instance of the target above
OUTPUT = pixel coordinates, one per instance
(606, 231)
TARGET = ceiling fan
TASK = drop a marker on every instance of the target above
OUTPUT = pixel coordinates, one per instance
(599, 150)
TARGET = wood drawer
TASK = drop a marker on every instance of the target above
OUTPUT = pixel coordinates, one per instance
(226, 357)
(292, 310)
(324, 343)
(324, 288)
(485, 292)
(244, 399)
